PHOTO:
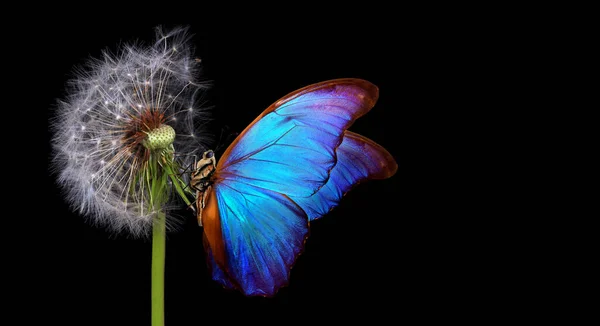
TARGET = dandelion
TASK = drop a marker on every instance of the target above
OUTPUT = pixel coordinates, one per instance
(125, 113)
(120, 138)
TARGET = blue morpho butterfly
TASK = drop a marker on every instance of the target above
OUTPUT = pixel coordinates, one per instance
(290, 166)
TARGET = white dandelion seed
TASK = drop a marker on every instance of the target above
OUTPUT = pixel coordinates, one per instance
(118, 110)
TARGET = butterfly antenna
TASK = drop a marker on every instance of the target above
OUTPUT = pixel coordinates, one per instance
(223, 142)
(220, 141)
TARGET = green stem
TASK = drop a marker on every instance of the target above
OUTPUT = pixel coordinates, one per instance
(177, 183)
(158, 270)
(160, 168)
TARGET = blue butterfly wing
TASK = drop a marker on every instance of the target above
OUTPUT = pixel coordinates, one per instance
(358, 159)
(217, 273)
(254, 230)
(290, 147)
(264, 232)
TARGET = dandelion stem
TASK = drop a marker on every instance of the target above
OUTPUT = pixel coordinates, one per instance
(160, 168)
(158, 270)
(158, 180)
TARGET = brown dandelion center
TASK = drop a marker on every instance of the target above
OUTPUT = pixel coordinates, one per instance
(149, 124)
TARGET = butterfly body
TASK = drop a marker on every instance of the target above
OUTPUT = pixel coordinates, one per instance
(201, 180)
(290, 166)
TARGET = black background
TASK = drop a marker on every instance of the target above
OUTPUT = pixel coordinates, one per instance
(364, 258)
(441, 240)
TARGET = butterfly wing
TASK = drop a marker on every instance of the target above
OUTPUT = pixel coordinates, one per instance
(217, 273)
(253, 229)
(358, 159)
(290, 147)
(262, 233)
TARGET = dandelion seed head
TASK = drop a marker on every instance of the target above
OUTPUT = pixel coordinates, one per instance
(98, 148)
(160, 138)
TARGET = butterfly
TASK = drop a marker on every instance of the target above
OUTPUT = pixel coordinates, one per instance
(290, 166)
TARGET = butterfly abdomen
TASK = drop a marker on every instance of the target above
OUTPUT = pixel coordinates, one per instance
(202, 180)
